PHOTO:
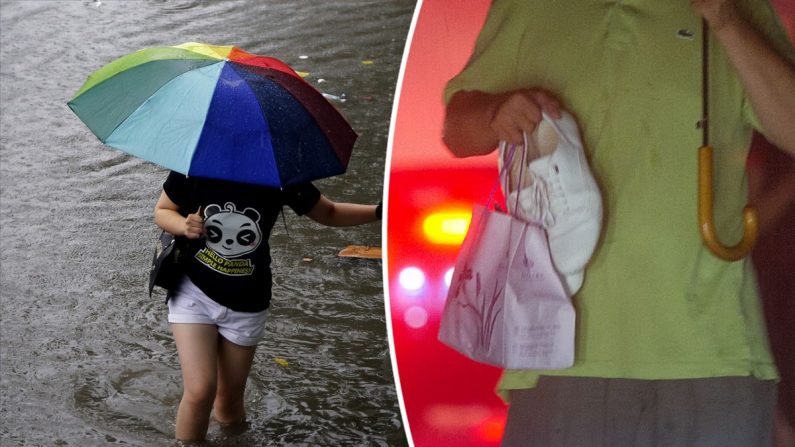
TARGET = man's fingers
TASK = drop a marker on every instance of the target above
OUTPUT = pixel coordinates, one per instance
(546, 102)
(510, 132)
(515, 136)
(520, 112)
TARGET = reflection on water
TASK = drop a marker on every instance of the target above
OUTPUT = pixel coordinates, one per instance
(87, 358)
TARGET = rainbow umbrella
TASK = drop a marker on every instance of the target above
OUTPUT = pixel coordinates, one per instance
(218, 112)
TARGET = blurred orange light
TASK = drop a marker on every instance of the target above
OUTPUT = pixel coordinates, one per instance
(447, 227)
(491, 429)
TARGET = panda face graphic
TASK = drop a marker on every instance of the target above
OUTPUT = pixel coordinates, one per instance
(232, 233)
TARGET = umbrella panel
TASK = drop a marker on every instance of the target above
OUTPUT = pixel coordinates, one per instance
(241, 57)
(337, 130)
(301, 149)
(140, 57)
(129, 89)
(167, 126)
(236, 142)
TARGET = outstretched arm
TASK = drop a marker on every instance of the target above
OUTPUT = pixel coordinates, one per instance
(475, 122)
(335, 214)
(768, 77)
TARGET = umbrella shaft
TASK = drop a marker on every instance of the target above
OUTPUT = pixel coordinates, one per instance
(704, 123)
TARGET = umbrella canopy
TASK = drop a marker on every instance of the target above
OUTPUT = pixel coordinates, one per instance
(218, 112)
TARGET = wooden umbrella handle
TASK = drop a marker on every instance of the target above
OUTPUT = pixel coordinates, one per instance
(705, 220)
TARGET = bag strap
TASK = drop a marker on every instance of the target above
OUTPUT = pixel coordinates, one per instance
(284, 221)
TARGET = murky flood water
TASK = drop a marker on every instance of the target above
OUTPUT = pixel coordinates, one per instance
(87, 357)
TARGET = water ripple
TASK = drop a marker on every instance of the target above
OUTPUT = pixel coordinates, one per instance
(77, 232)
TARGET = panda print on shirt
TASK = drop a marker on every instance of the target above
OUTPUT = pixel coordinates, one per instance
(231, 234)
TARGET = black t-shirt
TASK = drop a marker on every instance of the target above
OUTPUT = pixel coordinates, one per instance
(231, 264)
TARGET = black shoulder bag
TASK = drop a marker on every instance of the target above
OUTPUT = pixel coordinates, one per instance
(166, 270)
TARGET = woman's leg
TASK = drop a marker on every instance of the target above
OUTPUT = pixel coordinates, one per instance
(197, 345)
(234, 363)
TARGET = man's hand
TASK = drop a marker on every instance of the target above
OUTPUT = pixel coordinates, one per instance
(767, 76)
(718, 13)
(519, 112)
(475, 122)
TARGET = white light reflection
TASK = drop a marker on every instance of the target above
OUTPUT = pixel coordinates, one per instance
(448, 277)
(415, 317)
(411, 279)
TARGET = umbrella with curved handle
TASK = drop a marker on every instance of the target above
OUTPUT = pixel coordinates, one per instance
(705, 194)
(705, 221)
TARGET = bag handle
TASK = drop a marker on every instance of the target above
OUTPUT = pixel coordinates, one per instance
(508, 163)
(511, 153)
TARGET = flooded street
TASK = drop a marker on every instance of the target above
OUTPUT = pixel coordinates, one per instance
(86, 356)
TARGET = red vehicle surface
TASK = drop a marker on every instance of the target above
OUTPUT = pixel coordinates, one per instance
(448, 399)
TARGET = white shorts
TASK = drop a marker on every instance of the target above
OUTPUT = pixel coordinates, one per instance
(190, 305)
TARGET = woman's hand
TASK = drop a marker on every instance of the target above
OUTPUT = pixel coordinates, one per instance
(168, 218)
(194, 225)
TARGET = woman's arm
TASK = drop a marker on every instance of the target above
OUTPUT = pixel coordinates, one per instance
(168, 218)
(335, 214)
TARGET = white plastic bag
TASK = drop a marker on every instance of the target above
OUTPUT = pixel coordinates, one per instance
(506, 305)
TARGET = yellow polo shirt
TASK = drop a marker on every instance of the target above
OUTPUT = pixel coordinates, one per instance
(656, 304)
